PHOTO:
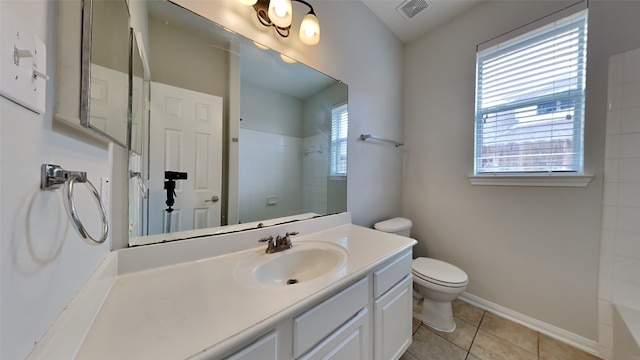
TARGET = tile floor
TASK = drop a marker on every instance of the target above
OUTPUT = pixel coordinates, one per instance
(480, 335)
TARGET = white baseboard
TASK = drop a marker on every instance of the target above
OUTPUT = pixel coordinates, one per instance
(562, 335)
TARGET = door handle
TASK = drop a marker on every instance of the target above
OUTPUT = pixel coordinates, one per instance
(214, 198)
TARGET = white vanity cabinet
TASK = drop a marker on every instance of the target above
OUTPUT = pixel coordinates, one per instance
(392, 308)
(265, 348)
(369, 319)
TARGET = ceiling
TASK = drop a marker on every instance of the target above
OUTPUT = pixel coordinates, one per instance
(436, 13)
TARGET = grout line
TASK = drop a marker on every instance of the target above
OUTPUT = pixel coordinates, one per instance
(476, 333)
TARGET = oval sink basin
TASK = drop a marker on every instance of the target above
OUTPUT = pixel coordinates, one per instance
(305, 261)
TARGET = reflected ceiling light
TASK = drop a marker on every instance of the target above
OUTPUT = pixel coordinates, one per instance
(279, 14)
(260, 46)
(287, 59)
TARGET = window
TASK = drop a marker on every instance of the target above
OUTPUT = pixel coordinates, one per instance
(339, 127)
(530, 98)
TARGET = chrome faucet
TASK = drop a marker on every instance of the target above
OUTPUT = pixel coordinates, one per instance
(279, 244)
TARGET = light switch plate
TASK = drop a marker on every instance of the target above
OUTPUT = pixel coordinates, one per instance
(23, 66)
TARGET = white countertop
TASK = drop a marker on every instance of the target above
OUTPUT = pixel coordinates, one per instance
(180, 310)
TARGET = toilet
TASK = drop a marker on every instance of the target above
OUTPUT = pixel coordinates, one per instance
(435, 283)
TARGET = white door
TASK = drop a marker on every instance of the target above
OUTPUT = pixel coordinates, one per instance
(186, 136)
(109, 101)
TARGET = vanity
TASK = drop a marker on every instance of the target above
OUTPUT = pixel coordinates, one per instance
(195, 299)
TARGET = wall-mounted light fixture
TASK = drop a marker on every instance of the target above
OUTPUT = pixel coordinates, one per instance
(279, 14)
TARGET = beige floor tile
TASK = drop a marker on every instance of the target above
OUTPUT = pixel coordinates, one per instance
(511, 332)
(467, 312)
(551, 349)
(407, 356)
(429, 346)
(462, 336)
(415, 325)
(472, 357)
(489, 347)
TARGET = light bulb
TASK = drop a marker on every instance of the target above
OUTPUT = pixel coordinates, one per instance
(310, 30)
(280, 12)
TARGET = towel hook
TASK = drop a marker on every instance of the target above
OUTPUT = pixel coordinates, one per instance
(53, 177)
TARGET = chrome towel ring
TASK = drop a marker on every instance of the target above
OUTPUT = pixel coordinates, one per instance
(53, 177)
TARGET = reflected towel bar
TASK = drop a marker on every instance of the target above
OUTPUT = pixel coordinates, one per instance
(364, 137)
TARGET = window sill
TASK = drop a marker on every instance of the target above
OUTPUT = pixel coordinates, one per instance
(531, 180)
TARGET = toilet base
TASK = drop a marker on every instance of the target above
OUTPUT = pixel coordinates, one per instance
(436, 314)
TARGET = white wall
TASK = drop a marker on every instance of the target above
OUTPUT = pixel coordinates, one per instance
(266, 110)
(43, 261)
(533, 250)
(357, 48)
(620, 241)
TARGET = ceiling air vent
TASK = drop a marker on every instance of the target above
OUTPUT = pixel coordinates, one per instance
(410, 8)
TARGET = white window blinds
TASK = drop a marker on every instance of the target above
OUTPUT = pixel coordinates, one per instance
(339, 127)
(530, 98)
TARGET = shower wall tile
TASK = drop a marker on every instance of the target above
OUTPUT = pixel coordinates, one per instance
(612, 147)
(629, 194)
(271, 169)
(620, 236)
(629, 145)
(630, 170)
(630, 120)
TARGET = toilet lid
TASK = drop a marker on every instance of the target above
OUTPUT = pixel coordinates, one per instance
(439, 271)
(393, 225)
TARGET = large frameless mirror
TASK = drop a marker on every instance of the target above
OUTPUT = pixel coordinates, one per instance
(238, 138)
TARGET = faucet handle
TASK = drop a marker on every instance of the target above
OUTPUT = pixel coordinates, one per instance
(270, 244)
(292, 233)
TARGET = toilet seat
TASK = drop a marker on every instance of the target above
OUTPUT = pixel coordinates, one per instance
(439, 272)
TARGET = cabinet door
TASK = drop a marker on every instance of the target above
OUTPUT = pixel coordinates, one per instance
(349, 342)
(263, 349)
(392, 319)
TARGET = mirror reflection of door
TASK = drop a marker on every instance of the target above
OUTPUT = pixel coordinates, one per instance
(110, 69)
(186, 136)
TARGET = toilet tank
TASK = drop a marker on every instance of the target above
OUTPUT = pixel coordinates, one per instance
(399, 226)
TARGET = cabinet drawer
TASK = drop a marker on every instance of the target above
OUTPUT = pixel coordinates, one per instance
(350, 341)
(317, 323)
(389, 275)
(263, 349)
